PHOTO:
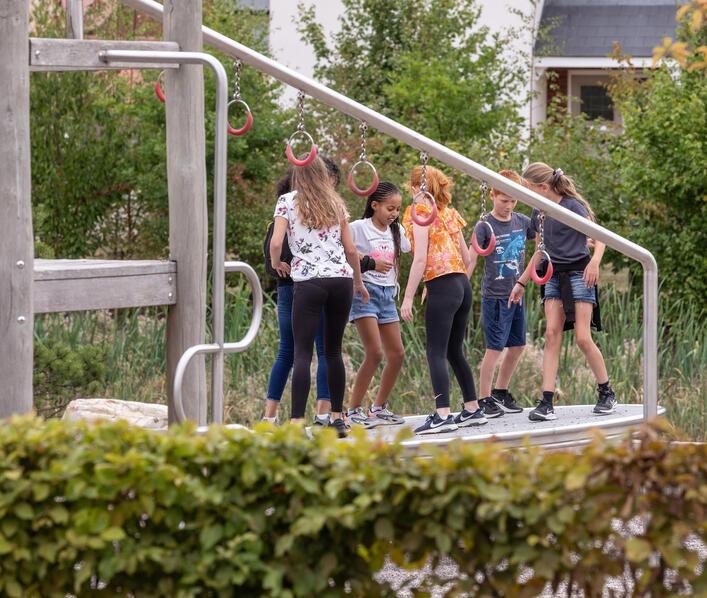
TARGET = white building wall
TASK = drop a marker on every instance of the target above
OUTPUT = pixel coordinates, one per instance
(287, 47)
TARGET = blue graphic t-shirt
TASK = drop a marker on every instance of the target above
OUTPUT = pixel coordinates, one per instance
(505, 265)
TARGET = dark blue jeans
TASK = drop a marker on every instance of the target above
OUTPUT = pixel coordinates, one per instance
(286, 352)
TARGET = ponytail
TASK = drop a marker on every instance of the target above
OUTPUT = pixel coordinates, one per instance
(539, 173)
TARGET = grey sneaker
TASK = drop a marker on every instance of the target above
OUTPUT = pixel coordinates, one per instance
(320, 421)
(383, 417)
(357, 416)
(544, 411)
(606, 405)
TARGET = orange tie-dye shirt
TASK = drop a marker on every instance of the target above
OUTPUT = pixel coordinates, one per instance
(443, 253)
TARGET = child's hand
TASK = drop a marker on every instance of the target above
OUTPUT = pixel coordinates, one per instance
(591, 274)
(406, 309)
(516, 295)
(383, 266)
(282, 269)
(363, 291)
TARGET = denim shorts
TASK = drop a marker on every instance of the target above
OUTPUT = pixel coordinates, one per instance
(580, 291)
(503, 326)
(381, 305)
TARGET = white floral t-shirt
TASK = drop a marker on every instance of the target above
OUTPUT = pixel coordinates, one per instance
(316, 253)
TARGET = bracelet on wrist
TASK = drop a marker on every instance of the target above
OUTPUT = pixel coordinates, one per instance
(520, 283)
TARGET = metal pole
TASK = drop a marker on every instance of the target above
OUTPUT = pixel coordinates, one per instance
(74, 19)
(467, 166)
(219, 236)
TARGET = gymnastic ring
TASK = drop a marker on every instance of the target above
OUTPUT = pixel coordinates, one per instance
(159, 92)
(291, 156)
(248, 121)
(541, 280)
(413, 213)
(492, 241)
(374, 183)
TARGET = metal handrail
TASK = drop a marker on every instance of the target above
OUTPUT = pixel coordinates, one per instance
(469, 167)
(219, 236)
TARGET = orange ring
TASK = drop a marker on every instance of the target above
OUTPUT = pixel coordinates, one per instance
(413, 213)
(248, 121)
(291, 156)
(541, 280)
(492, 241)
(374, 183)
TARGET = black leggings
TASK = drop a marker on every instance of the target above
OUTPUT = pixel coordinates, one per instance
(334, 296)
(446, 315)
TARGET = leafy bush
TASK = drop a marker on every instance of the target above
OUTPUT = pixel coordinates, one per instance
(108, 509)
(62, 373)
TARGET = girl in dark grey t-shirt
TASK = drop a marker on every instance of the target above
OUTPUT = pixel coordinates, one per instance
(574, 282)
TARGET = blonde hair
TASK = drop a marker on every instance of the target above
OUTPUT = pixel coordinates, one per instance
(539, 173)
(513, 176)
(318, 203)
(437, 184)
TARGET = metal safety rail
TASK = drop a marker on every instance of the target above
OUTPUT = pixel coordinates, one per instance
(469, 167)
(218, 348)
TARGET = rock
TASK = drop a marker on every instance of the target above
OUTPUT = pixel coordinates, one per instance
(145, 415)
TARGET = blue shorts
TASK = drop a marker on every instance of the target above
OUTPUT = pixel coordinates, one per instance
(503, 326)
(580, 291)
(380, 306)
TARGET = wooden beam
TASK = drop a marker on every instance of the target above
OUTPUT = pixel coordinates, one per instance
(16, 238)
(76, 285)
(186, 174)
(74, 19)
(47, 54)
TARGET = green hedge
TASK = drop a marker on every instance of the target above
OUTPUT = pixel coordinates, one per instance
(108, 509)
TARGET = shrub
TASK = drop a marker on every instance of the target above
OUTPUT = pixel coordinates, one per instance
(108, 509)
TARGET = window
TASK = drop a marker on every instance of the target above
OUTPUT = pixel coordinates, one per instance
(595, 102)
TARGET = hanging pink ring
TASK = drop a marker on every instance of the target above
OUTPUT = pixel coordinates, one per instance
(248, 121)
(541, 280)
(158, 88)
(413, 212)
(374, 183)
(492, 241)
(291, 156)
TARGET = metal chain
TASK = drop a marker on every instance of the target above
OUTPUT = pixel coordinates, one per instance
(423, 159)
(363, 127)
(300, 107)
(541, 226)
(484, 193)
(237, 79)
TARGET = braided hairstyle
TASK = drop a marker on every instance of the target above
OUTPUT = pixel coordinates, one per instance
(385, 190)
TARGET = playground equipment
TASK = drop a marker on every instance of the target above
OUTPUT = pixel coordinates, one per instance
(423, 195)
(363, 161)
(301, 132)
(482, 221)
(65, 285)
(239, 101)
(539, 254)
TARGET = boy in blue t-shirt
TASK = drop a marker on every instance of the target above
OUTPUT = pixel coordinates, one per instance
(503, 323)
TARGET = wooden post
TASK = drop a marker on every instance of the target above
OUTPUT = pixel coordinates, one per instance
(16, 243)
(186, 173)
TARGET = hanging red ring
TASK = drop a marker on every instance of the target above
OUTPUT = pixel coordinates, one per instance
(374, 183)
(248, 121)
(541, 280)
(413, 212)
(492, 241)
(291, 156)
(158, 88)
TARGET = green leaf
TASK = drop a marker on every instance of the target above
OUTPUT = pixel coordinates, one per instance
(210, 535)
(24, 511)
(638, 550)
(113, 534)
(384, 529)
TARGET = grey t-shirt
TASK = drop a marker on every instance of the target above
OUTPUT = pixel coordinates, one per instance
(507, 262)
(564, 244)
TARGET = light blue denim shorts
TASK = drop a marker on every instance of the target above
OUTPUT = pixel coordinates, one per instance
(580, 291)
(381, 305)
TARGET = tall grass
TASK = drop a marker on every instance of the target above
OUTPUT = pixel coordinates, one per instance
(136, 362)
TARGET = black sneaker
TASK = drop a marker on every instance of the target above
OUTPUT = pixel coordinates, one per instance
(489, 407)
(470, 418)
(434, 424)
(544, 411)
(339, 425)
(506, 402)
(606, 405)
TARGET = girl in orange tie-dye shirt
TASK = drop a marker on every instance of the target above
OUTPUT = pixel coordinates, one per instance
(441, 258)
